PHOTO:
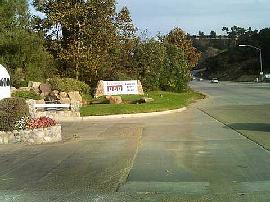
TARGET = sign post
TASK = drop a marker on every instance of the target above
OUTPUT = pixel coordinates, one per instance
(5, 91)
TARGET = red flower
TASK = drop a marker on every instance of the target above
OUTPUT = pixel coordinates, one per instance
(42, 122)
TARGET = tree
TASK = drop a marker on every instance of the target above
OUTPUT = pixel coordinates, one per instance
(21, 49)
(201, 34)
(175, 73)
(127, 40)
(213, 34)
(236, 32)
(225, 29)
(87, 35)
(178, 38)
(264, 42)
(125, 27)
(148, 61)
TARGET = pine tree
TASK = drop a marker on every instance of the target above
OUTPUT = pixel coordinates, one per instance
(126, 41)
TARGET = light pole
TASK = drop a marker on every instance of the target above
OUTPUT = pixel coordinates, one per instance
(260, 50)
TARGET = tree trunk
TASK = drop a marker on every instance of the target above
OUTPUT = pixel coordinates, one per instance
(77, 71)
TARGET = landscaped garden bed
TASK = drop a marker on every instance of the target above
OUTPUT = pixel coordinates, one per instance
(16, 125)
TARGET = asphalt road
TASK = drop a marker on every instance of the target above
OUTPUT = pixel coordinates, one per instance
(216, 150)
(245, 107)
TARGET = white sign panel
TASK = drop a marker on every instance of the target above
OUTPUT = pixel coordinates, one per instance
(120, 87)
(4, 83)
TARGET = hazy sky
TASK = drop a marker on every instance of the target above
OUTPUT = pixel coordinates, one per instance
(195, 15)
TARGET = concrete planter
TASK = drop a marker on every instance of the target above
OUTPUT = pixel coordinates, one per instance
(36, 136)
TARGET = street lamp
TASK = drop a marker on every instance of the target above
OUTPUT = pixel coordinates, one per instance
(259, 49)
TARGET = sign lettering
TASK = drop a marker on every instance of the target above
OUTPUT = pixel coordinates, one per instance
(120, 87)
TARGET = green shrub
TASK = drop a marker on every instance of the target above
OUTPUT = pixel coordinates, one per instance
(27, 95)
(100, 100)
(11, 111)
(87, 98)
(68, 85)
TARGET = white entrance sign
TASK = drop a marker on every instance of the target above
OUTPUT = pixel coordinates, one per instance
(120, 87)
(4, 83)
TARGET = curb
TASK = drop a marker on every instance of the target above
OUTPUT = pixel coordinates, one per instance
(122, 116)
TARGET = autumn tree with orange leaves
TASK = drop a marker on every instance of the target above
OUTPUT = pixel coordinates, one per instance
(179, 38)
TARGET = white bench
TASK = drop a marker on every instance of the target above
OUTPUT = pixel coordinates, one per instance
(52, 106)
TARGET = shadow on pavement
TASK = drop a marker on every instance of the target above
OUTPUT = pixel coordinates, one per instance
(264, 127)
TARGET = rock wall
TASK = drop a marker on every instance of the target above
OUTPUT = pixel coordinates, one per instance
(99, 89)
(36, 136)
(49, 95)
(57, 115)
(54, 114)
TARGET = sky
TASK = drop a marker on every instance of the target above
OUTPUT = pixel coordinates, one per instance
(194, 15)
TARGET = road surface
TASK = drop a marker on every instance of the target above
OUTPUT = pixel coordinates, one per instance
(216, 150)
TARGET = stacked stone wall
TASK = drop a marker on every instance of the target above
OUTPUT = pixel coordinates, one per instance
(35, 136)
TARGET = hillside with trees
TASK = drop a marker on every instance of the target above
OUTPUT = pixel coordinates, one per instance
(90, 41)
(224, 59)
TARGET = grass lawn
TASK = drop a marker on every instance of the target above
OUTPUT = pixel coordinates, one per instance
(162, 101)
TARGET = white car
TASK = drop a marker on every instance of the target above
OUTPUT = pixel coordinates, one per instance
(214, 80)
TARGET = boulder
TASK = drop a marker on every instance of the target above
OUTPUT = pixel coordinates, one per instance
(100, 89)
(40, 101)
(63, 95)
(51, 98)
(146, 100)
(140, 88)
(114, 99)
(45, 89)
(75, 97)
(55, 93)
(32, 110)
(64, 101)
(42, 95)
(34, 85)
(36, 90)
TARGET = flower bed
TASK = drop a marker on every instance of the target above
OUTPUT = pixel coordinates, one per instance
(33, 131)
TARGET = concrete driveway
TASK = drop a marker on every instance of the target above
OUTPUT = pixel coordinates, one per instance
(216, 150)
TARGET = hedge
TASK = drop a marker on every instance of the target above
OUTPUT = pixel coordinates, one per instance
(11, 111)
(68, 85)
(27, 95)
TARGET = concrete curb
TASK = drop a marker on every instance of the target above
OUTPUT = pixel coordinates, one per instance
(122, 116)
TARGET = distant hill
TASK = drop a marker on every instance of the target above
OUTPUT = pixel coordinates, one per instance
(234, 64)
(225, 61)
